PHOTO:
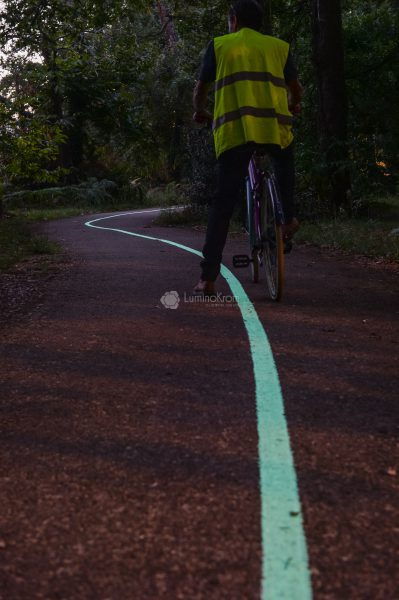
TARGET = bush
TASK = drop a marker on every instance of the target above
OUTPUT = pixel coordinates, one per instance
(167, 195)
(89, 193)
(203, 174)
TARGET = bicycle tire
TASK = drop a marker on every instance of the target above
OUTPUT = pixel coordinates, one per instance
(253, 250)
(272, 239)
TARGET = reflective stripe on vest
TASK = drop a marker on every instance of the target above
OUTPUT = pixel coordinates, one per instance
(251, 102)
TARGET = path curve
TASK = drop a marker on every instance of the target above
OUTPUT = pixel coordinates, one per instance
(285, 572)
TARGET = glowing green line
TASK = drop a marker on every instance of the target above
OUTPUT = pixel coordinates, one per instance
(285, 571)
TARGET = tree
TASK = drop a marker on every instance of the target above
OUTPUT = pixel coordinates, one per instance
(84, 73)
(328, 58)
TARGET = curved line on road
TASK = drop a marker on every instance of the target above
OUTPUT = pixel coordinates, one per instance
(285, 570)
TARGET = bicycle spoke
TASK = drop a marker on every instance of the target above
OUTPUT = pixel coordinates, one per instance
(272, 243)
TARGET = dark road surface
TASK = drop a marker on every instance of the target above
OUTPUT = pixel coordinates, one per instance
(129, 457)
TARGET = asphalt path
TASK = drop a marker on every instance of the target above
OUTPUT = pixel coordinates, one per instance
(130, 459)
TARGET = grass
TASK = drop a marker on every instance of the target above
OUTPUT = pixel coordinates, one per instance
(385, 209)
(188, 215)
(163, 196)
(369, 238)
(33, 215)
(368, 235)
(17, 242)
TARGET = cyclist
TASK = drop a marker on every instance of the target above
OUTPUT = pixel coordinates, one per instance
(256, 92)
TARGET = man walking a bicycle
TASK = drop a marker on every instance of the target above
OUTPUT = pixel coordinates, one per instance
(256, 93)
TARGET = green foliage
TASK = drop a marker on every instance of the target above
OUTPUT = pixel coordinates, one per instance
(39, 244)
(203, 171)
(369, 237)
(18, 242)
(92, 193)
(171, 194)
(372, 44)
(188, 215)
(94, 89)
(27, 149)
(370, 234)
(32, 152)
(85, 78)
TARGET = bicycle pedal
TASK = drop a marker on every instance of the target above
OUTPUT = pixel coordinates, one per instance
(241, 261)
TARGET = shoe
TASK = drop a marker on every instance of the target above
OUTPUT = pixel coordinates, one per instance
(207, 288)
(290, 229)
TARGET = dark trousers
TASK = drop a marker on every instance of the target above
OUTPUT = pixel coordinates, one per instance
(233, 167)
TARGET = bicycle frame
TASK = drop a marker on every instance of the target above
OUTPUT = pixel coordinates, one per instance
(255, 181)
(256, 177)
(265, 218)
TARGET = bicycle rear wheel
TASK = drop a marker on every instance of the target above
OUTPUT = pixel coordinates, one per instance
(272, 239)
(254, 251)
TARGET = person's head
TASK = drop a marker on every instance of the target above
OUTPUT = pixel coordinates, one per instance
(245, 13)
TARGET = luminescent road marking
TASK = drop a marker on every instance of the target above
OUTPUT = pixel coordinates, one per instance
(285, 570)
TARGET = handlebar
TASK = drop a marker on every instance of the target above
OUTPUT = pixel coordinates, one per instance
(295, 109)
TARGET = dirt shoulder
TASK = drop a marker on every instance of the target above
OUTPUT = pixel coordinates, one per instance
(23, 287)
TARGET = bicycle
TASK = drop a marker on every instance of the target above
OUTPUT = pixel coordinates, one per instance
(264, 221)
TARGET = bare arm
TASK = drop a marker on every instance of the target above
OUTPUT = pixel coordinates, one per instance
(296, 91)
(200, 97)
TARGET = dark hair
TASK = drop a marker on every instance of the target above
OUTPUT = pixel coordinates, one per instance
(248, 12)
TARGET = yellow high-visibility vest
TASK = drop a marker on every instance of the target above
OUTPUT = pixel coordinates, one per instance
(251, 101)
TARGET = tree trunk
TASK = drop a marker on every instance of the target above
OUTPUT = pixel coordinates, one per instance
(167, 23)
(171, 37)
(267, 19)
(328, 58)
(49, 51)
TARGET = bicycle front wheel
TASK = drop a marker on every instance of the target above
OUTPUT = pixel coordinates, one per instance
(272, 239)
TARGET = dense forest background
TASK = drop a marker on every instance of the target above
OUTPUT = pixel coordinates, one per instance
(99, 94)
